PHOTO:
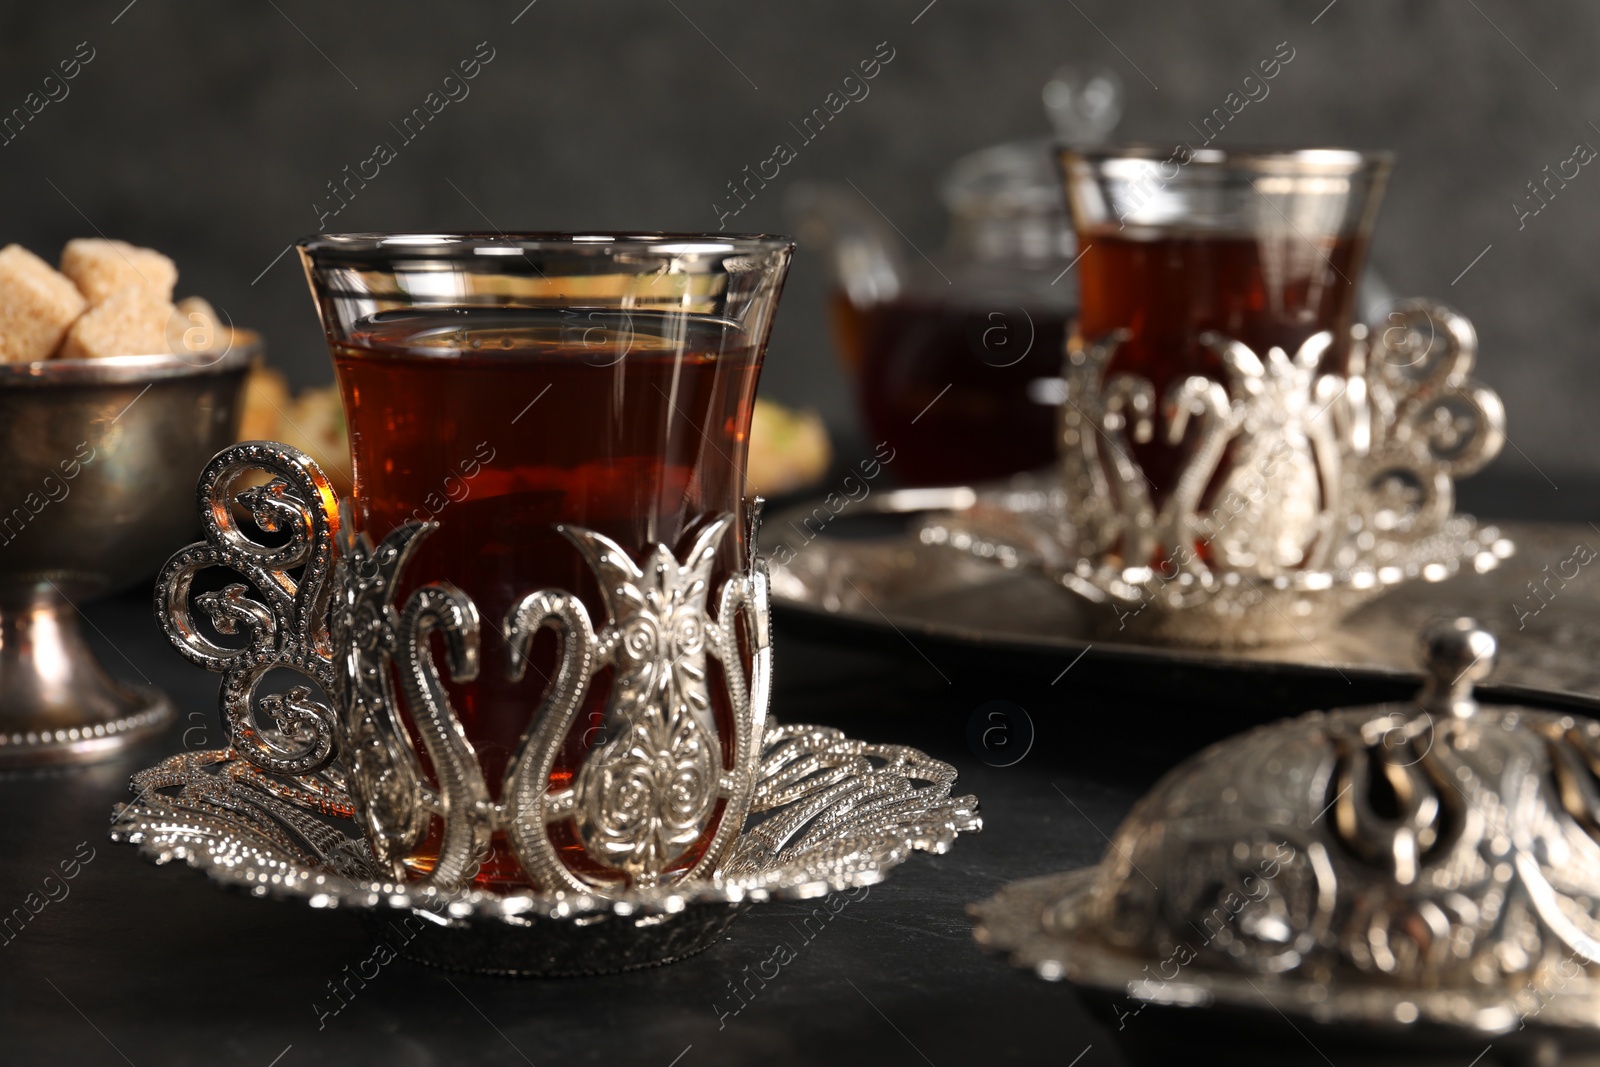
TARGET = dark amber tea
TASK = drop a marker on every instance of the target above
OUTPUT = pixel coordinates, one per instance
(499, 424)
(965, 394)
(1170, 288)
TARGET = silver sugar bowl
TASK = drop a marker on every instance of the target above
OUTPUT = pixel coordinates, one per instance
(99, 461)
(1423, 869)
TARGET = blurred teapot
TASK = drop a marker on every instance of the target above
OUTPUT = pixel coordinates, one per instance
(956, 358)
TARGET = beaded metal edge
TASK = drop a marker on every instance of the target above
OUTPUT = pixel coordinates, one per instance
(829, 813)
(1013, 923)
(1017, 525)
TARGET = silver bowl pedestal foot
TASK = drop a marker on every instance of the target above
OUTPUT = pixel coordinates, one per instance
(57, 703)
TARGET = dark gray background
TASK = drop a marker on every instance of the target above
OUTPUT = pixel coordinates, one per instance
(208, 131)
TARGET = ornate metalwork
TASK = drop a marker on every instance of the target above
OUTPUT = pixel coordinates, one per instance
(371, 632)
(1438, 861)
(639, 802)
(1025, 525)
(649, 792)
(1297, 494)
(826, 813)
(284, 619)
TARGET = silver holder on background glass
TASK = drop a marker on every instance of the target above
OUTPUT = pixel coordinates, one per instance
(1433, 863)
(1297, 497)
(801, 808)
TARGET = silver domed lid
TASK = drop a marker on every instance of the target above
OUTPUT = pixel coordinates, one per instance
(1434, 861)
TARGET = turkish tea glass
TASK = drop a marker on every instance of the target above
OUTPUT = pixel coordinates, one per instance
(1187, 250)
(534, 397)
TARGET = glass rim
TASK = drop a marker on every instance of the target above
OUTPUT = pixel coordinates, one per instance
(1263, 159)
(427, 244)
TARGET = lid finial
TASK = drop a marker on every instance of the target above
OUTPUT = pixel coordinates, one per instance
(1457, 653)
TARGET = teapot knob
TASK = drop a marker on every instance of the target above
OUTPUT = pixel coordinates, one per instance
(1084, 103)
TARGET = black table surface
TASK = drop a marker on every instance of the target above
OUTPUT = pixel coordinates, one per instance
(155, 965)
(149, 965)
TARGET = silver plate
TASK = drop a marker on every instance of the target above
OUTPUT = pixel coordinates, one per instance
(1543, 602)
(829, 813)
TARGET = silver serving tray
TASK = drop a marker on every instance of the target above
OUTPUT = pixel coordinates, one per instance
(828, 566)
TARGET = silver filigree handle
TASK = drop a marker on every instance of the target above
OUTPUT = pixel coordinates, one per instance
(283, 618)
(1433, 422)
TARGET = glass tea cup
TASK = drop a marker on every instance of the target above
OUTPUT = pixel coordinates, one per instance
(1196, 267)
(546, 404)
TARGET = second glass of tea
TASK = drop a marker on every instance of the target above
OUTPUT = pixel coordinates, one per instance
(503, 386)
(1261, 247)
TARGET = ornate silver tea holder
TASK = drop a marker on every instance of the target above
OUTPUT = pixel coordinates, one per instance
(1298, 495)
(1433, 864)
(331, 803)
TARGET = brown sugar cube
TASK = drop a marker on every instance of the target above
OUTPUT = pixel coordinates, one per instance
(36, 306)
(129, 322)
(194, 329)
(101, 267)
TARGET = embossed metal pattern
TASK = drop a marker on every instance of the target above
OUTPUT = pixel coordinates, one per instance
(283, 619)
(649, 792)
(638, 802)
(1309, 492)
(1435, 861)
(827, 813)
(1026, 525)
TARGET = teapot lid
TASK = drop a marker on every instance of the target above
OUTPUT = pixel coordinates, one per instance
(1017, 177)
(1021, 177)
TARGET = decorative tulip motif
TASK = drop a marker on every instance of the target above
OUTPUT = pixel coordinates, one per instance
(1283, 442)
(646, 795)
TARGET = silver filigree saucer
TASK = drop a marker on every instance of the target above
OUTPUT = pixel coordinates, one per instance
(1025, 524)
(828, 813)
(332, 801)
(1431, 864)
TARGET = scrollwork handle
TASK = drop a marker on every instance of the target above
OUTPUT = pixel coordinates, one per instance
(1423, 346)
(296, 715)
(284, 617)
(1422, 360)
